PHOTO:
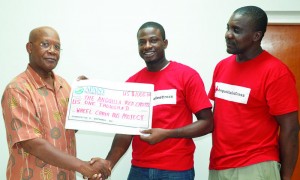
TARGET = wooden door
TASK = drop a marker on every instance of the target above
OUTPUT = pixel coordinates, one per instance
(283, 41)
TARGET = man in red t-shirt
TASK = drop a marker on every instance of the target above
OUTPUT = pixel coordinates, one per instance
(254, 95)
(168, 149)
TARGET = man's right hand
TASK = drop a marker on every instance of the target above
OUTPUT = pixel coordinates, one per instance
(89, 171)
(103, 166)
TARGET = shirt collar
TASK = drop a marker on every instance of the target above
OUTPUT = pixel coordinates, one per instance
(38, 82)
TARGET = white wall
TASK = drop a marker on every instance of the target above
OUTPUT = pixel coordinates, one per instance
(99, 40)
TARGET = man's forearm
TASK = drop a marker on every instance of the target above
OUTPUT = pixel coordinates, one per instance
(49, 154)
(119, 146)
(289, 148)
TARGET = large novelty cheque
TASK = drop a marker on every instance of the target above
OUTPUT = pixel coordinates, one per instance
(112, 107)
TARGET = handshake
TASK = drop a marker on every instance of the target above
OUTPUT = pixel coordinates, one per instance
(95, 169)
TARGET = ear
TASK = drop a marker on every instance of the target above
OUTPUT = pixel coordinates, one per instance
(29, 47)
(257, 36)
(165, 44)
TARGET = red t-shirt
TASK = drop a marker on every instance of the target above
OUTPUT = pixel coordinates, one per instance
(247, 96)
(179, 92)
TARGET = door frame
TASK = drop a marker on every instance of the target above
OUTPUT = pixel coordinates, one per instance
(283, 17)
(286, 18)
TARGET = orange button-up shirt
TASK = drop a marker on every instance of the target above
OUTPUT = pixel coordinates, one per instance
(32, 109)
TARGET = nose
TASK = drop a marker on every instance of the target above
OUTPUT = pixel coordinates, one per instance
(52, 49)
(228, 34)
(148, 45)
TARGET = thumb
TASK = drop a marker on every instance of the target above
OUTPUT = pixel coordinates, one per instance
(93, 160)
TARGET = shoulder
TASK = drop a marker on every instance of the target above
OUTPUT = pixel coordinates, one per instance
(134, 76)
(226, 60)
(182, 68)
(17, 81)
(273, 64)
(19, 85)
(61, 80)
(184, 74)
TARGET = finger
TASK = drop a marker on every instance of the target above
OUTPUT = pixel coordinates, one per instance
(146, 131)
(99, 177)
(81, 78)
(92, 161)
(145, 136)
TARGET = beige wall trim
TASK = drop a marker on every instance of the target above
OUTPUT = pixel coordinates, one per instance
(283, 17)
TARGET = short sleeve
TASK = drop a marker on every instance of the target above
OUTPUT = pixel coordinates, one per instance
(282, 95)
(196, 95)
(19, 115)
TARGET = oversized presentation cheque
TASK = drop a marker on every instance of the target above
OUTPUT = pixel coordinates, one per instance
(110, 107)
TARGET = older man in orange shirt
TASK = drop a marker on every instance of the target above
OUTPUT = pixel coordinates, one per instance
(34, 109)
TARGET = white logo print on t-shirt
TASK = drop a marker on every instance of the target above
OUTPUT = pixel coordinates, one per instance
(232, 93)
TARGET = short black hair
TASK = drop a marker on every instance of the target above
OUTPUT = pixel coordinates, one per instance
(258, 16)
(154, 25)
